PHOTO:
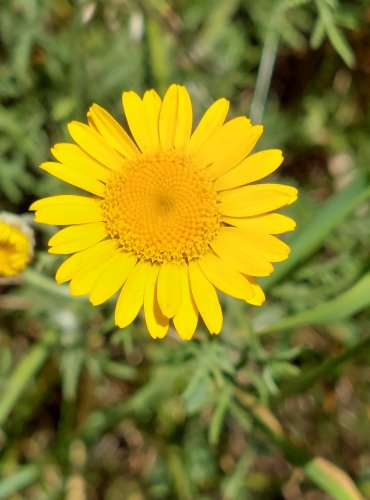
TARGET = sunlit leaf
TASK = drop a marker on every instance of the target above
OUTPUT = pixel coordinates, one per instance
(332, 479)
(347, 304)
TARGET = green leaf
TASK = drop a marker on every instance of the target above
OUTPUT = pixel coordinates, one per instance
(235, 481)
(179, 473)
(310, 376)
(219, 415)
(71, 363)
(215, 24)
(346, 304)
(323, 473)
(332, 479)
(336, 38)
(262, 415)
(120, 370)
(25, 371)
(197, 392)
(317, 35)
(15, 482)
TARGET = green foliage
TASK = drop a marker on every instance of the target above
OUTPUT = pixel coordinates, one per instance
(86, 409)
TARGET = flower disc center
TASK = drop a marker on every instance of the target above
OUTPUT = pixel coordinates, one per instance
(162, 208)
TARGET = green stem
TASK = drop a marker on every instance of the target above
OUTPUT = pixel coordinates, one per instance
(158, 55)
(323, 473)
(179, 474)
(25, 371)
(309, 378)
(348, 303)
(265, 71)
(35, 279)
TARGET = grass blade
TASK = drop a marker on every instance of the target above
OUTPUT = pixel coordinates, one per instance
(346, 304)
(305, 381)
(18, 480)
(24, 373)
(323, 473)
(332, 479)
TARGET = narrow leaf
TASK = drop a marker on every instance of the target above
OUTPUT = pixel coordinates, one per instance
(28, 367)
(219, 416)
(317, 35)
(323, 473)
(23, 477)
(324, 370)
(332, 479)
(346, 304)
(336, 38)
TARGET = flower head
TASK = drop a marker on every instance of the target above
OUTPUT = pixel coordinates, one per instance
(170, 215)
(16, 244)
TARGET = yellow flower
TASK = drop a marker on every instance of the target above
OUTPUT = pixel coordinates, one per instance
(171, 214)
(16, 244)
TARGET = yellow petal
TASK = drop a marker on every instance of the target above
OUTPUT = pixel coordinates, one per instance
(228, 146)
(74, 176)
(138, 120)
(256, 199)
(112, 278)
(269, 247)
(76, 238)
(206, 299)
(156, 322)
(184, 119)
(211, 121)
(186, 318)
(131, 297)
(267, 223)
(72, 233)
(112, 132)
(62, 199)
(167, 118)
(259, 297)
(152, 105)
(169, 288)
(176, 118)
(83, 281)
(237, 251)
(73, 156)
(251, 169)
(95, 145)
(236, 151)
(78, 261)
(90, 121)
(224, 277)
(70, 213)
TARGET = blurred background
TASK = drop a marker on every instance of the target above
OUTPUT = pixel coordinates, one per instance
(277, 406)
